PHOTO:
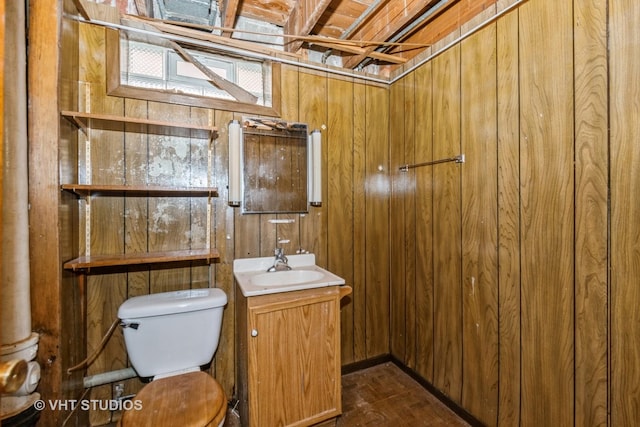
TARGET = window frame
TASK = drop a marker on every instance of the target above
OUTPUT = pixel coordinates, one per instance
(116, 88)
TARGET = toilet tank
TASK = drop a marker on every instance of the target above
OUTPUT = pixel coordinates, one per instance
(172, 332)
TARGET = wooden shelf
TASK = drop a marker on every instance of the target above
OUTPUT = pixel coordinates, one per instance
(85, 190)
(102, 261)
(85, 121)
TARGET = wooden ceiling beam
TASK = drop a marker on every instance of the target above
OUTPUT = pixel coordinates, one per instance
(364, 18)
(303, 19)
(228, 12)
(447, 22)
(195, 32)
(388, 21)
(393, 59)
(144, 7)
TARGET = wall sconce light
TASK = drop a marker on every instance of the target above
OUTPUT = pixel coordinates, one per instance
(314, 167)
(235, 163)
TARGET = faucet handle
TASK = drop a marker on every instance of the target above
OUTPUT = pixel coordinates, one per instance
(278, 252)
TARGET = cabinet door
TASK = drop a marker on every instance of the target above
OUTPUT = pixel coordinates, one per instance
(294, 362)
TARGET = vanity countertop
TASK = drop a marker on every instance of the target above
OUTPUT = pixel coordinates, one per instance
(253, 279)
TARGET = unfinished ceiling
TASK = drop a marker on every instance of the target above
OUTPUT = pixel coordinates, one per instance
(353, 34)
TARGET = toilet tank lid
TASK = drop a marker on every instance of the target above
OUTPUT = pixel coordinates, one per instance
(172, 302)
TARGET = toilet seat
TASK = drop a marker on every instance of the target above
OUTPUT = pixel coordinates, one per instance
(193, 399)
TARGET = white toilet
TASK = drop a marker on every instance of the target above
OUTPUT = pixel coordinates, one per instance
(169, 336)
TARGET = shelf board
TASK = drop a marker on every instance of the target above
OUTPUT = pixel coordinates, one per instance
(86, 121)
(85, 190)
(102, 261)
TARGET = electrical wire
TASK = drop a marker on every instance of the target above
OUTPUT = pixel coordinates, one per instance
(91, 358)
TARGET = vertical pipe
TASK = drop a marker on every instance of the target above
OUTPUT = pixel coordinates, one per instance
(15, 305)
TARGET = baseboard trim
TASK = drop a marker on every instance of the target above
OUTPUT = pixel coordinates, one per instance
(364, 364)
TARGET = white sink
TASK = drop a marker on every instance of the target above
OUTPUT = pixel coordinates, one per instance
(285, 278)
(252, 276)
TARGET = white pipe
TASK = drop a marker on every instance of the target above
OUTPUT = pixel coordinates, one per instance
(31, 381)
(16, 301)
(18, 341)
(109, 377)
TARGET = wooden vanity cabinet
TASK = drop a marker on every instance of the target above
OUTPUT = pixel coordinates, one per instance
(289, 357)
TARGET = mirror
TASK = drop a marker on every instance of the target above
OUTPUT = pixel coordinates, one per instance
(275, 166)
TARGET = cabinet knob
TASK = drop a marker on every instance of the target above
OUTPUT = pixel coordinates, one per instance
(254, 332)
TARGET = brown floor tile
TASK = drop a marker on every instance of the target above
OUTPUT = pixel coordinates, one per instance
(385, 396)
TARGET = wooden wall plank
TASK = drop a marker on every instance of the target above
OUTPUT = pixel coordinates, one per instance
(480, 225)
(547, 204)
(167, 222)
(290, 111)
(221, 273)
(340, 220)
(199, 177)
(625, 210)
(136, 209)
(424, 223)
(508, 220)
(313, 111)
(136, 212)
(591, 244)
(447, 226)
(377, 221)
(359, 293)
(409, 212)
(106, 150)
(397, 243)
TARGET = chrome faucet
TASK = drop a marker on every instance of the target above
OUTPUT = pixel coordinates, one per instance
(281, 261)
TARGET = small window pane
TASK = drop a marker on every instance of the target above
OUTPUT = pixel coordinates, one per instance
(146, 60)
(187, 69)
(250, 77)
(155, 67)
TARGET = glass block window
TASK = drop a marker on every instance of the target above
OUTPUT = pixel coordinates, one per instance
(154, 67)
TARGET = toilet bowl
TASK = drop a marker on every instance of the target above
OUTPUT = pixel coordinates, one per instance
(169, 337)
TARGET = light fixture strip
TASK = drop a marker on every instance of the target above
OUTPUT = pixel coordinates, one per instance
(315, 168)
(235, 163)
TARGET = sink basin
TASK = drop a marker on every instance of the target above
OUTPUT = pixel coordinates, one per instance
(290, 277)
(253, 279)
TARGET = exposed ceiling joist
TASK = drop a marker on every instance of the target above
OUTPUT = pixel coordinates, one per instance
(349, 48)
(393, 31)
(228, 12)
(391, 19)
(303, 19)
(143, 7)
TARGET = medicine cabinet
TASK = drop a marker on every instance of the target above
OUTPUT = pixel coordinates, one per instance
(275, 166)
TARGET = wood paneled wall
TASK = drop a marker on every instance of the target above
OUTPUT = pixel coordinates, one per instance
(501, 291)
